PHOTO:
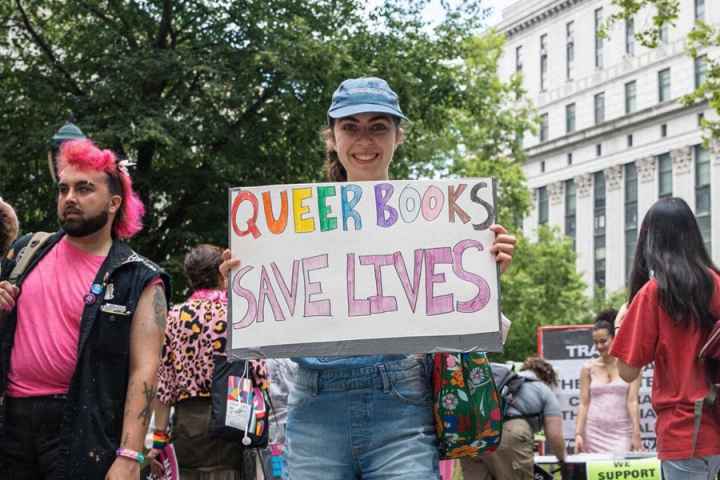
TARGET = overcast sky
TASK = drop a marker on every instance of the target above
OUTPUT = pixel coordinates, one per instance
(434, 10)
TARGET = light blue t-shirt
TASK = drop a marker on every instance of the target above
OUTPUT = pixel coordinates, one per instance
(534, 398)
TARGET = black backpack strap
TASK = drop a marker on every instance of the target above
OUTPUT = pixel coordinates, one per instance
(26, 254)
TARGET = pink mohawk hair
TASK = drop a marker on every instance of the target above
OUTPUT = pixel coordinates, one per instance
(85, 155)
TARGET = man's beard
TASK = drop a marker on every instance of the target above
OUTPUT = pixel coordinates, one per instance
(82, 227)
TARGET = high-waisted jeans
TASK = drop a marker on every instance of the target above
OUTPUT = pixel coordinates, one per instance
(369, 423)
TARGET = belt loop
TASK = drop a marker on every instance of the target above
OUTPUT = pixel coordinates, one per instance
(385, 377)
(316, 382)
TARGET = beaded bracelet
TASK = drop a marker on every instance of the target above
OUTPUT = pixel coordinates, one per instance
(131, 454)
(160, 439)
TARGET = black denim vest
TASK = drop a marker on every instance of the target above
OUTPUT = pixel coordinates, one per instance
(93, 416)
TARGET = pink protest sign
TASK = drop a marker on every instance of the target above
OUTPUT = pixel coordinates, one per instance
(363, 268)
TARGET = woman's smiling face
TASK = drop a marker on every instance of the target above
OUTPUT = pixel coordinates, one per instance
(365, 144)
(602, 340)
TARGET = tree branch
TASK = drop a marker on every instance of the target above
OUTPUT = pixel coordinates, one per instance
(126, 26)
(165, 26)
(124, 32)
(40, 42)
(251, 110)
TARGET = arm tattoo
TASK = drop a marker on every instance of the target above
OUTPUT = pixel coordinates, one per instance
(146, 413)
(160, 308)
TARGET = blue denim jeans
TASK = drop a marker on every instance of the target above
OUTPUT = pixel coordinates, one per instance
(705, 468)
(369, 423)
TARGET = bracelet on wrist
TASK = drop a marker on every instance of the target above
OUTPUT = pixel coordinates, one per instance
(160, 439)
(131, 454)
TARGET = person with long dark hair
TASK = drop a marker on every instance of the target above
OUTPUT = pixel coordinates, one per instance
(673, 303)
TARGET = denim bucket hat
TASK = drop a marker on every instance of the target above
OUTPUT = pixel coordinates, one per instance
(364, 95)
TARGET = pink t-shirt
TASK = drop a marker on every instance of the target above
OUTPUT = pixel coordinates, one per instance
(49, 312)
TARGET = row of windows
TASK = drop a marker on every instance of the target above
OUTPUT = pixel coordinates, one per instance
(663, 159)
(630, 100)
(664, 165)
(598, 44)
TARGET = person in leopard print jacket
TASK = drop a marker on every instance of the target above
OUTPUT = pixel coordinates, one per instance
(196, 330)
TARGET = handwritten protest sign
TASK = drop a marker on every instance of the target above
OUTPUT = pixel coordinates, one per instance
(363, 268)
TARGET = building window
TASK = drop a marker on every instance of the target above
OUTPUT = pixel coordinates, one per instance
(570, 118)
(630, 37)
(700, 118)
(598, 38)
(543, 62)
(631, 215)
(663, 130)
(569, 158)
(598, 150)
(599, 228)
(702, 194)
(542, 166)
(630, 97)
(518, 59)
(570, 209)
(664, 85)
(630, 140)
(699, 9)
(664, 34)
(665, 186)
(700, 71)
(544, 127)
(599, 100)
(543, 209)
(570, 49)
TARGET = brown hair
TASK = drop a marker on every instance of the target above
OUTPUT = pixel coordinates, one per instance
(8, 227)
(202, 265)
(334, 170)
(605, 320)
(542, 369)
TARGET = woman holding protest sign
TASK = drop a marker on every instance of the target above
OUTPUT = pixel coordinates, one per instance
(609, 417)
(673, 305)
(365, 417)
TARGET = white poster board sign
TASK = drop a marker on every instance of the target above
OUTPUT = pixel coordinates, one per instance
(363, 268)
(568, 348)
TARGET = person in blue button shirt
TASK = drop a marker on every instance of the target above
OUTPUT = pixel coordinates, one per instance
(364, 417)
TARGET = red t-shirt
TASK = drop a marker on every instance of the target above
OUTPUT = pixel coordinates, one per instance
(648, 334)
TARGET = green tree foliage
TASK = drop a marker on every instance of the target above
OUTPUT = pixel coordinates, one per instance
(603, 300)
(702, 38)
(541, 287)
(485, 138)
(207, 95)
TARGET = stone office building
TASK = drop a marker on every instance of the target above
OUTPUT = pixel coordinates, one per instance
(615, 134)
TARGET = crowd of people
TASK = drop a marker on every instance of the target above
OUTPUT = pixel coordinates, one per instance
(89, 350)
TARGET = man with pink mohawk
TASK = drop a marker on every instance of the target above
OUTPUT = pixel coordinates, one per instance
(80, 346)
